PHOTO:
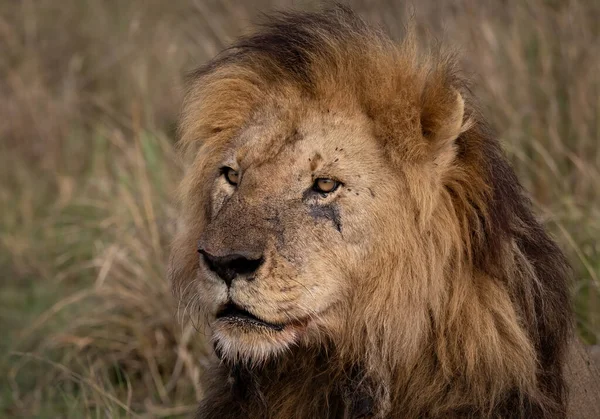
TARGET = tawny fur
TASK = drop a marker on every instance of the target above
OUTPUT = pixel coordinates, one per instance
(422, 288)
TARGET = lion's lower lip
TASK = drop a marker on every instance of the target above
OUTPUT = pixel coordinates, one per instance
(234, 314)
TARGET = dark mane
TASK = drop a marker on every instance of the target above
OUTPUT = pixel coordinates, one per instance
(287, 43)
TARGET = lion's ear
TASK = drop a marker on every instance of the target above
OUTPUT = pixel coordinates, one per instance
(442, 115)
(442, 120)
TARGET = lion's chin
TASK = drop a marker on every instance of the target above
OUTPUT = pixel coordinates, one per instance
(240, 336)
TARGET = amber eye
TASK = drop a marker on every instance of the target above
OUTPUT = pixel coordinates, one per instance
(324, 185)
(232, 176)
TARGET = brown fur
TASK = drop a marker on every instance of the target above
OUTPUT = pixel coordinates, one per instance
(422, 288)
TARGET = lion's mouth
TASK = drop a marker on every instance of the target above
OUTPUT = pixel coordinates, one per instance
(236, 315)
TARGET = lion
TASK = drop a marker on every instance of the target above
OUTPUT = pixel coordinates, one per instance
(353, 238)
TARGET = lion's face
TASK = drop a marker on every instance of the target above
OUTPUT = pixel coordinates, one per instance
(306, 209)
(294, 219)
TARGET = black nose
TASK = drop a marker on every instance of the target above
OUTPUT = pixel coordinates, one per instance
(232, 266)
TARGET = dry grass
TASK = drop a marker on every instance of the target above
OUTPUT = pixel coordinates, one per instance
(90, 93)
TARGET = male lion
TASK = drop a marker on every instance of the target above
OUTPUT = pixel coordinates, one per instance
(355, 239)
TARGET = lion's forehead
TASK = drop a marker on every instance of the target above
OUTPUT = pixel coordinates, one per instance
(307, 140)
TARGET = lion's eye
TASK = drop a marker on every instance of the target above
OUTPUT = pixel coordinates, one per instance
(232, 176)
(324, 185)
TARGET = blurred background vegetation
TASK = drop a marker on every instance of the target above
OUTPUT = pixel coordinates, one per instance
(89, 97)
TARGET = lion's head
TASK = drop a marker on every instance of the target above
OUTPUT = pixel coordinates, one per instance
(344, 193)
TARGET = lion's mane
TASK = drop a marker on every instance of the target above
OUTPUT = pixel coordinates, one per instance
(480, 323)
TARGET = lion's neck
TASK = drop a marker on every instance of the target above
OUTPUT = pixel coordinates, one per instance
(317, 384)
(281, 390)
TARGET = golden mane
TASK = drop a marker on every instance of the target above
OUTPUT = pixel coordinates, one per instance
(481, 324)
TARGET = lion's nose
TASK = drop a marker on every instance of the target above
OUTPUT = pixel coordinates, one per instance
(230, 267)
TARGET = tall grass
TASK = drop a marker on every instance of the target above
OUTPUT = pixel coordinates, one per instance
(90, 94)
